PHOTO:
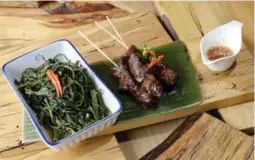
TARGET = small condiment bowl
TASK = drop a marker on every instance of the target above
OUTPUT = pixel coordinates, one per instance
(229, 35)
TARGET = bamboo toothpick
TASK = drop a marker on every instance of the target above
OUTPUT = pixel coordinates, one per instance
(105, 55)
(123, 44)
(110, 22)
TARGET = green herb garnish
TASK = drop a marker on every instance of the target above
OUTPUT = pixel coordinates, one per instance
(80, 104)
(144, 49)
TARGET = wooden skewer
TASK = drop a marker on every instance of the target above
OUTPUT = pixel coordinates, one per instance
(123, 44)
(105, 55)
(108, 19)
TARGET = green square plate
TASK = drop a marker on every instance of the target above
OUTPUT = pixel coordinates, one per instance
(186, 94)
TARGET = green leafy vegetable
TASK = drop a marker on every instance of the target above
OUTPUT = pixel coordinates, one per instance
(144, 49)
(80, 105)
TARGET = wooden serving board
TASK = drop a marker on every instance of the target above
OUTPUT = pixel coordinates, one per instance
(219, 90)
(240, 116)
(130, 27)
(105, 147)
(20, 4)
(203, 137)
(190, 20)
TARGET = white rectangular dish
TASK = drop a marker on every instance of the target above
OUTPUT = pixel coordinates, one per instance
(12, 70)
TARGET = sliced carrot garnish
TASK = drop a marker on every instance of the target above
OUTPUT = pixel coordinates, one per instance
(155, 61)
(58, 84)
(55, 81)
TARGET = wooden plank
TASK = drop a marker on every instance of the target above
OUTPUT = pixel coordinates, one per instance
(240, 116)
(178, 19)
(71, 7)
(132, 29)
(137, 142)
(105, 147)
(20, 4)
(133, 6)
(245, 13)
(205, 16)
(219, 89)
(51, 7)
(204, 137)
(218, 13)
(20, 31)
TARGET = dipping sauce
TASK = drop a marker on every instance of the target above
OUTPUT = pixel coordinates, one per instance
(217, 52)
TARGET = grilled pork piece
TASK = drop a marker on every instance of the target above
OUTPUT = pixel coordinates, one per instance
(146, 98)
(170, 77)
(136, 68)
(132, 50)
(144, 84)
(167, 78)
(126, 81)
(151, 85)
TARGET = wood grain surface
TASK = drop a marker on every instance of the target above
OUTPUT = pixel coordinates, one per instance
(184, 25)
(137, 142)
(71, 7)
(240, 116)
(92, 149)
(11, 110)
(177, 18)
(20, 4)
(189, 20)
(132, 29)
(219, 89)
(198, 18)
(203, 137)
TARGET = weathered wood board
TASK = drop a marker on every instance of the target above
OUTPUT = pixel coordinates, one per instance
(96, 148)
(203, 137)
(135, 143)
(189, 20)
(20, 4)
(132, 29)
(178, 20)
(240, 116)
(184, 25)
(219, 90)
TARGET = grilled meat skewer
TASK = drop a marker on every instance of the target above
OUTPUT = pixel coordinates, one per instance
(128, 84)
(151, 85)
(126, 80)
(136, 68)
(168, 78)
(145, 84)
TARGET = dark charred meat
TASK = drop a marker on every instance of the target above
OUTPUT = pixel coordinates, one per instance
(132, 50)
(151, 85)
(126, 81)
(170, 77)
(146, 98)
(167, 78)
(136, 68)
(145, 84)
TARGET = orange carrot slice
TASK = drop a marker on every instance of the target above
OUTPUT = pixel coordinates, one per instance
(155, 61)
(55, 81)
(58, 84)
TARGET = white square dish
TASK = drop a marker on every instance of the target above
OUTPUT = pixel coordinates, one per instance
(12, 70)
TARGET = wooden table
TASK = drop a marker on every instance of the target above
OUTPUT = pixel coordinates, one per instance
(22, 36)
(188, 23)
(242, 92)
